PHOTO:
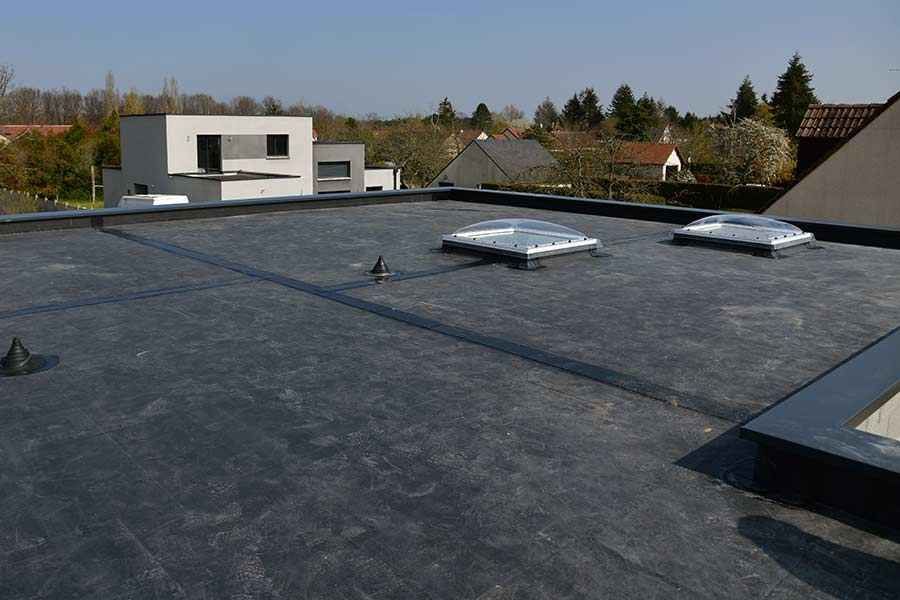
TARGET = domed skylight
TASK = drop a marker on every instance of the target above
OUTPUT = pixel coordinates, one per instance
(749, 231)
(519, 238)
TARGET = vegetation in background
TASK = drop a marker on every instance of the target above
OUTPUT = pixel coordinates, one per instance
(742, 144)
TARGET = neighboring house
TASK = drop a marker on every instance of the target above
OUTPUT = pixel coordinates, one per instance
(654, 161)
(827, 126)
(510, 133)
(382, 177)
(10, 133)
(488, 161)
(458, 140)
(857, 181)
(339, 167)
(211, 158)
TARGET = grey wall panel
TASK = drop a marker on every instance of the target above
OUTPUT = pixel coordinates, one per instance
(243, 146)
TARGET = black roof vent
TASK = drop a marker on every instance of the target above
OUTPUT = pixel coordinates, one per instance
(19, 361)
(380, 269)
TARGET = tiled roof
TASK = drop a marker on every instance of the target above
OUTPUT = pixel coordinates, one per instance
(646, 153)
(14, 131)
(835, 120)
(517, 157)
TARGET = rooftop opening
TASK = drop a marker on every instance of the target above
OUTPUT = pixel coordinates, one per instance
(519, 239)
(885, 419)
(749, 232)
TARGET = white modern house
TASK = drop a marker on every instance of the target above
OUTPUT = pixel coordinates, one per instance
(209, 158)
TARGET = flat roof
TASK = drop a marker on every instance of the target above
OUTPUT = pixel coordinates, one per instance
(239, 409)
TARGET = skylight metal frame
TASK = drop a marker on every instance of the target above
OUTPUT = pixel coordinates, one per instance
(511, 238)
(749, 232)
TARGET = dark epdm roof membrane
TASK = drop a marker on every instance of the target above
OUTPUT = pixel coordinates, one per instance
(241, 410)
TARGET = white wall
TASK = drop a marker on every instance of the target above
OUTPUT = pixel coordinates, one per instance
(858, 184)
(381, 177)
(182, 131)
(261, 188)
(155, 146)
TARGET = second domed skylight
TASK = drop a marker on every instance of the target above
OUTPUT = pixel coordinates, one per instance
(749, 231)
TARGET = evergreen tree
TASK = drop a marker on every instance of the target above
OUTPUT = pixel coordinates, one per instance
(793, 95)
(446, 116)
(647, 116)
(745, 102)
(623, 104)
(623, 109)
(590, 108)
(482, 118)
(545, 115)
(573, 112)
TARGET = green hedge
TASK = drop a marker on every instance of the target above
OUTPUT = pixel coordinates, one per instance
(712, 196)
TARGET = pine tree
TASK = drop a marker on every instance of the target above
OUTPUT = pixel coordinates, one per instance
(482, 118)
(446, 116)
(545, 115)
(647, 116)
(793, 95)
(623, 109)
(592, 112)
(745, 102)
(573, 112)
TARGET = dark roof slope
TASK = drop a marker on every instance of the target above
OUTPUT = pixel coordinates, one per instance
(239, 410)
(517, 157)
(835, 120)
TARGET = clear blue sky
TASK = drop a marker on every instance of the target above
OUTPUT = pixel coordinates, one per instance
(402, 56)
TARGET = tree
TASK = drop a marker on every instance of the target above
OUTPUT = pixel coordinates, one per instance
(592, 112)
(647, 116)
(272, 106)
(7, 74)
(511, 113)
(446, 115)
(545, 115)
(132, 103)
(482, 118)
(793, 95)
(745, 102)
(573, 112)
(623, 109)
(169, 97)
(751, 152)
(110, 95)
(416, 146)
(245, 105)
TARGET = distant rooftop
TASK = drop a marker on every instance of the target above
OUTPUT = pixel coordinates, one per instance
(13, 131)
(835, 120)
(240, 410)
(516, 157)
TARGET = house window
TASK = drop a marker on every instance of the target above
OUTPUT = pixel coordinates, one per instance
(334, 170)
(334, 192)
(445, 184)
(209, 153)
(277, 146)
(374, 188)
(141, 188)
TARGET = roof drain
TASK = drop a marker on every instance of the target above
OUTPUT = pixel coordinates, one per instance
(753, 233)
(380, 270)
(518, 242)
(19, 361)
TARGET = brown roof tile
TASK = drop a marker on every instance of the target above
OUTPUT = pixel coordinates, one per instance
(835, 120)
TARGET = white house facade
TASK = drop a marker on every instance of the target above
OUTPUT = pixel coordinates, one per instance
(210, 158)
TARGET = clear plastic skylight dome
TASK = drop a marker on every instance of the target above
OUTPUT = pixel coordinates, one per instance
(521, 238)
(751, 231)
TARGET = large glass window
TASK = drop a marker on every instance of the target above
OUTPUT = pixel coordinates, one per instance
(209, 152)
(277, 145)
(334, 170)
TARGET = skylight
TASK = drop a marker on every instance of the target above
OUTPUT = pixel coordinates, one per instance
(748, 231)
(520, 239)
